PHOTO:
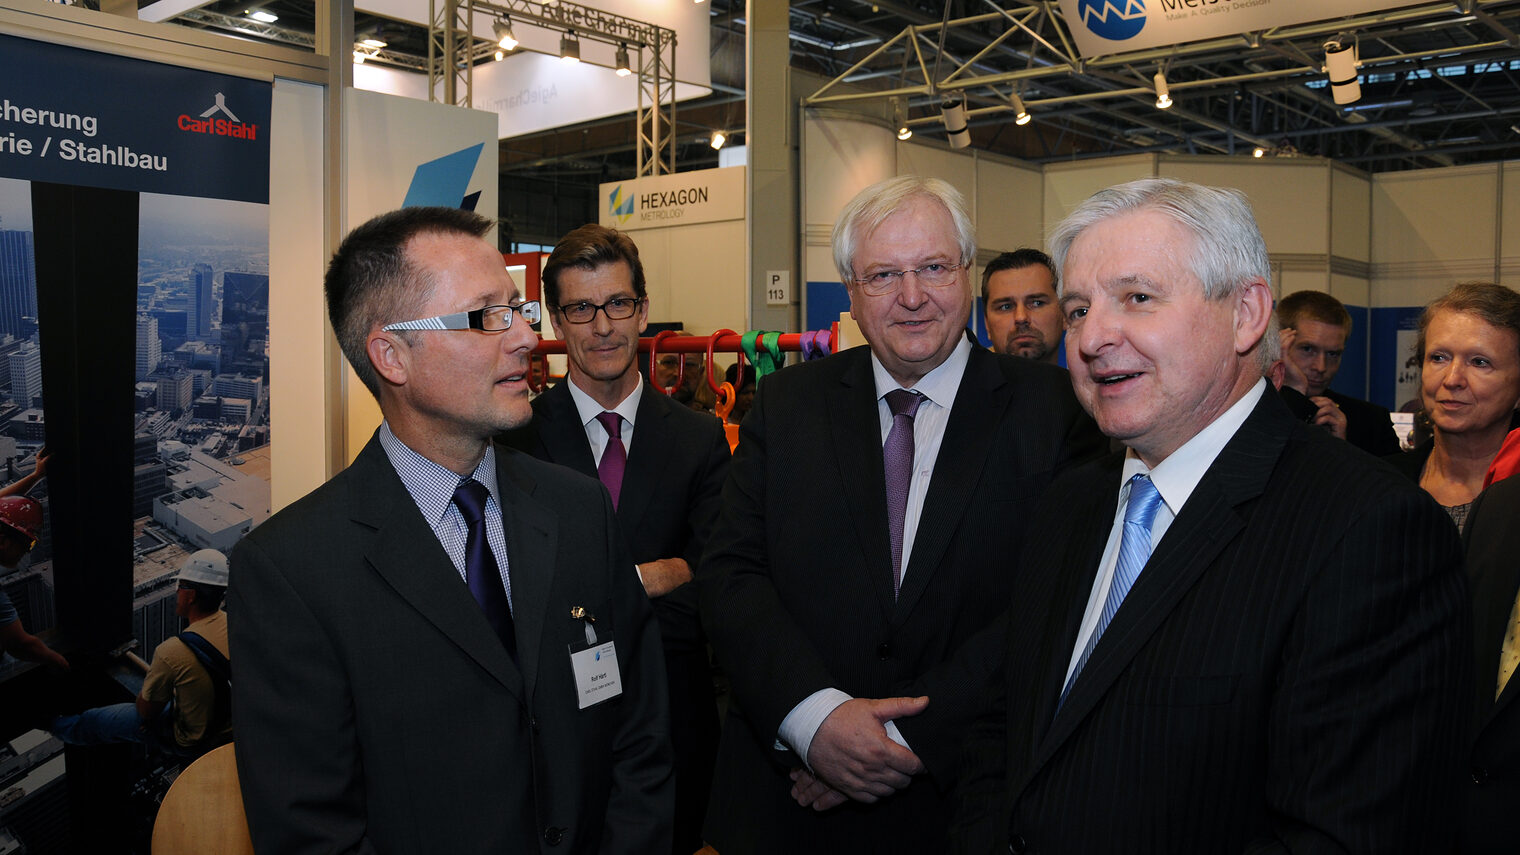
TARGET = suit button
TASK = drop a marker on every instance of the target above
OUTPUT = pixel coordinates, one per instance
(883, 651)
(1017, 845)
(553, 836)
(1479, 775)
(533, 724)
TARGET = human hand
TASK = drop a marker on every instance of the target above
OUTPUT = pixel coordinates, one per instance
(1330, 416)
(43, 455)
(852, 753)
(1293, 377)
(664, 575)
(813, 793)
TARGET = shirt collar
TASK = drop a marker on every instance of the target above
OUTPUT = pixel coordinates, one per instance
(939, 385)
(430, 485)
(1178, 475)
(589, 409)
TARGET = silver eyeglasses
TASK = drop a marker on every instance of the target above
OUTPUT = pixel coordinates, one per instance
(489, 319)
(935, 274)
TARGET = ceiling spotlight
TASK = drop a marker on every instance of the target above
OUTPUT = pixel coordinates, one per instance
(500, 54)
(718, 139)
(373, 42)
(359, 57)
(622, 60)
(952, 111)
(904, 133)
(900, 118)
(1340, 67)
(1258, 152)
(569, 47)
(262, 17)
(503, 31)
(1163, 92)
(1020, 112)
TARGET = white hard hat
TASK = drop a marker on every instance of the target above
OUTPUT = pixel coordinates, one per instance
(206, 567)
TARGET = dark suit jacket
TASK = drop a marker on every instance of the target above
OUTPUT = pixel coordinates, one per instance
(376, 710)
(1285, 674)
(797, 582)
(1492, 785)
(666, 508)
(1368, 426)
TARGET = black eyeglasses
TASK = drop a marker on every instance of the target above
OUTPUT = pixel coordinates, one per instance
(489, 319)
(617, 309)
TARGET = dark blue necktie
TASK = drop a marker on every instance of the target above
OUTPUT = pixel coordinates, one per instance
(481, 571)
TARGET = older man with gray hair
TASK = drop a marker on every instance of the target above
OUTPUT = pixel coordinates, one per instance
(1240, 635)
(864, 540)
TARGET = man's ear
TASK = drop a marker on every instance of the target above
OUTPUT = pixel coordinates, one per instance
(1253, 311)
(390, 355)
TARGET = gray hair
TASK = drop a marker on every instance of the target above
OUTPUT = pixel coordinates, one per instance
(1228, 251)
(872, 206)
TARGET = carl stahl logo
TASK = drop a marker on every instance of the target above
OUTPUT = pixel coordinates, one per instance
(618, 206)
(225, 125)
(1115, 20)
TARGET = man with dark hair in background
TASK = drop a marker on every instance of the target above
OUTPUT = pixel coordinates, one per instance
(1019, 299)
(663, 464)
(1315, 326)
(445, 647)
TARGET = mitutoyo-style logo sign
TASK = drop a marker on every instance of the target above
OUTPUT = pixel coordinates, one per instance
(1116, 20)
(618, 206)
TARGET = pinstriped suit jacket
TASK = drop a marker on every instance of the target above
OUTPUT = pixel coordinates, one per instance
(1289, 672)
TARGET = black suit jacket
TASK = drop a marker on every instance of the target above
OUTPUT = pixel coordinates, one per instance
(1285, 675)
(797, 583)
(377, 711)
(1368, 426)
(666, 508)
(1492, 786)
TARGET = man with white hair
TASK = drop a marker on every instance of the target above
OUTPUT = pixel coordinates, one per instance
(865, 539)
(1240, 635)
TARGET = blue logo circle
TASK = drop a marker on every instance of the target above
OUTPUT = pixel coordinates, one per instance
(1116, 20)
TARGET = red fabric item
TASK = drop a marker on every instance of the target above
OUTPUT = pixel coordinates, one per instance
(1507, 461)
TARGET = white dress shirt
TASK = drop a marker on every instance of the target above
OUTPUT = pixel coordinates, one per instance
(1175, 478)
(588, 409)
(938, 388)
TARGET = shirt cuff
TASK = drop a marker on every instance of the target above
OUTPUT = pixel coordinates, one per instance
(800, 725)
(637, 573)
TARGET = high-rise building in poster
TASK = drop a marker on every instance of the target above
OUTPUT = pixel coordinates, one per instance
(26, 374)
(18, 283)
(149, 348)
(201, 300)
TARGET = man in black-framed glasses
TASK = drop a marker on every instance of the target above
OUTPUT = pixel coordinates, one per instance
(662, 464)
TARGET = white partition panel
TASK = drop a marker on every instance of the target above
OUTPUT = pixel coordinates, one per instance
(1009, 201)
(1435, 215)
(696, 275)
(1067, 184)
(297, 408)
(1350, 215)
(935, 162)
(1291, 198)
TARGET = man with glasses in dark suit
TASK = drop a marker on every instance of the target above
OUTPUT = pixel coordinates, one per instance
(662, 463)
(445, 647)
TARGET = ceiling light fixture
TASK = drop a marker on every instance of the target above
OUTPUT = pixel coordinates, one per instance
(1258, 152)
(718, 139)
(622, 60)
(1340, 67)
(359, 57)
(504, 35)
(569, 47)
(373, 42)
(262, 17)
(1020, 112)
(900, 118)
(952, 111)
(1163, 92)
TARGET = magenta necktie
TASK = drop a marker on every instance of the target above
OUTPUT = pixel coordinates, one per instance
(897, 460)
(481, 572)
(614, 456)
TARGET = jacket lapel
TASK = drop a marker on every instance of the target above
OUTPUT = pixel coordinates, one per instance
(646, 459)
(855, 430)
(983, 394)
(1208, 522)
(532, 540)
(408, 556)
(560, 430)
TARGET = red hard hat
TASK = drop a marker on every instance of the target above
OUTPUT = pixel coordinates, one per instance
(22, 514)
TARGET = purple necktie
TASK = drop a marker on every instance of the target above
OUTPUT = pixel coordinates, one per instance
(614, 456)
(481, 572)
(897, 460)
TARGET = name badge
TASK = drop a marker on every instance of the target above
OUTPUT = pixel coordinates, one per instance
(596, 673)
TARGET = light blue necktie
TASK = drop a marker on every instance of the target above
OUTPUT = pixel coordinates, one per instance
(1134, 551)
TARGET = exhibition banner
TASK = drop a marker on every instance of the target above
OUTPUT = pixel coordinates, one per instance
(72, 116)
(1103, 27)
(680, 198)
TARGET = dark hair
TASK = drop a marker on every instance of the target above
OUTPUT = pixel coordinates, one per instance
(208, 598)
(1312, 306)
(371, 282)
(588, 248)
(1491, 303)
(1017, 260)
